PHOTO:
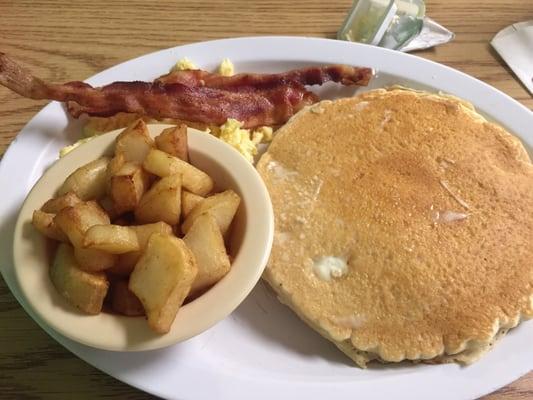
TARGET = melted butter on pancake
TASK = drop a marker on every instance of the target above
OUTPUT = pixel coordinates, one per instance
(329, 267)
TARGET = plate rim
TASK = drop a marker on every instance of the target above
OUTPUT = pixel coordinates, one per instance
(517, 109)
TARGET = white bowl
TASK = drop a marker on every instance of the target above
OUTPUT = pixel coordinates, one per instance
(250, 246)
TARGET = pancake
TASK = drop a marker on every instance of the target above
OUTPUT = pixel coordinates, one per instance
(404, 226)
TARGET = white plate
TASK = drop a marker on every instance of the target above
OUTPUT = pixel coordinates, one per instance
(262, 350)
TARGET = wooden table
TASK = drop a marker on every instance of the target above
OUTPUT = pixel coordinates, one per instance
(72, 40)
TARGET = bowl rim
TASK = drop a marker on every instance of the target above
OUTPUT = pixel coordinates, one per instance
(214, 305)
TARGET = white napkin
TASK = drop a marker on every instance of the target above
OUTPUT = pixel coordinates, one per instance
(515, 46)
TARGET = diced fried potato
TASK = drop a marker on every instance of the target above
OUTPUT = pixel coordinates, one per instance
(127, 187)
(222, 206)
(189, 201)
(174, 142)
(92, 260)
(113, 167)
(126, 262)
(75, 221)
(124, 220)
(53, 206)
(162, 279)
(134, 142)
(207, 244)
(162, 202)
(114, 239)
(44, 223)
(83, 290)
(89, 181)
(162, 164)
(109, 207)
(145, 231)
(123, 301)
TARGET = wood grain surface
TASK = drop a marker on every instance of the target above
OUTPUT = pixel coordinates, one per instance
(72, 40)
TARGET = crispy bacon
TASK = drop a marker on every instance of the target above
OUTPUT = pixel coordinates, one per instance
(199, 96)
(198, 104)
(344, 74)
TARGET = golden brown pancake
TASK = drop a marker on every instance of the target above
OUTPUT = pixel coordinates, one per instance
(404, 226)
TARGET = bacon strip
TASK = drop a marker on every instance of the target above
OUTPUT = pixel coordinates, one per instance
(345, 74)
(198, 104)
(190, 95)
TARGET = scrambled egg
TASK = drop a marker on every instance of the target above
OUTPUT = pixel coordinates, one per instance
(184, 64)
(244, 141)
(67, 149)
(226, 67)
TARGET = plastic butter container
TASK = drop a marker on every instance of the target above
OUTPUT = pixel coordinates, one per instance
(385, 23)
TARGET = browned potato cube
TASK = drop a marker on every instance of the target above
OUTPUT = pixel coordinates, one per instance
(174, 142)
(189, 201)
(87, 182)
(83, 290)
(162, 202)
(109, 207)
(74, 221)
(123, 301)
(162, 279)
(145, 231)
(222, 206)
(207, 244)
(92, 260)
(134, 142)
(53, 206)
(127, 187)
(44, 223)
(126, 262)
(113, 167)
(114, 239)
(162, 164)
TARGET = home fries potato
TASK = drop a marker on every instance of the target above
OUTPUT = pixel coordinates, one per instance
(138, 232)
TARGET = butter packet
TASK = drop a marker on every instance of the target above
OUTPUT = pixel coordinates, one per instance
(394, 24)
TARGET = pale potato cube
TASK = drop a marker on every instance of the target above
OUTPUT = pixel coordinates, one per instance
(75, 221)
(83, 290)
(222, 206)
(53, 206)
(162, 279)
(162, 164)
(162, 202)
(134, 142)
(89, 181)
(123, 301)
(114, 239)
(127, 187)
(44, 223)
(189, 201)
(92, 260)
(174, 142)
(207, 244)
